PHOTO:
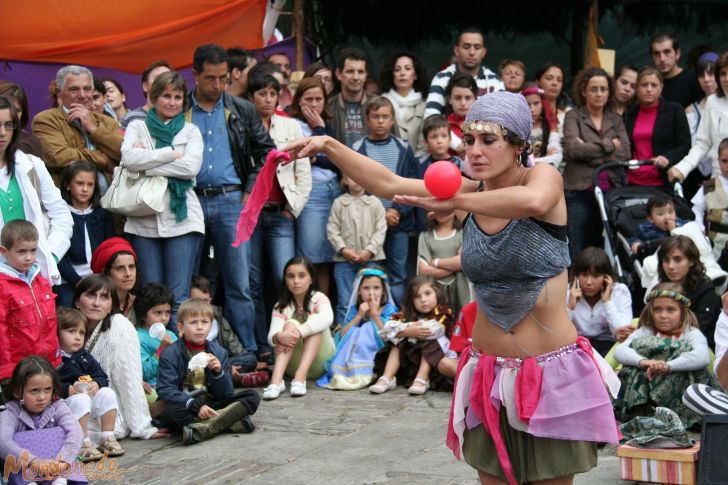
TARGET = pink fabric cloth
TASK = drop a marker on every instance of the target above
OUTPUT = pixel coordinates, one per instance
(528, 388)
(261, 190)
(452, 440)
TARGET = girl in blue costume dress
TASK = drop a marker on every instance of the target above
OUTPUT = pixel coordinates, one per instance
(371, 305)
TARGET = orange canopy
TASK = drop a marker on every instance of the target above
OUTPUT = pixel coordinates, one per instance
(126, 35)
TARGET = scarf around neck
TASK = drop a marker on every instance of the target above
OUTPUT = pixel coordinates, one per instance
(163, 135)
(400, 102)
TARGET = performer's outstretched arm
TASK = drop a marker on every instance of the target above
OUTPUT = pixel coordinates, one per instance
(371, 175)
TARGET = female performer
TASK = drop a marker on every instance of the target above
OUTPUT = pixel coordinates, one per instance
(556, 408)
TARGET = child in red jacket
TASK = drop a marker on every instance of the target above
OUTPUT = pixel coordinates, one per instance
(28, 311)
(460, 339)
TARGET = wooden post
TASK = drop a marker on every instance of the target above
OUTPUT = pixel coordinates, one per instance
(298, 33)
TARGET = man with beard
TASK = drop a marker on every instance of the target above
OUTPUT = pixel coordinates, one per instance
(680, 85)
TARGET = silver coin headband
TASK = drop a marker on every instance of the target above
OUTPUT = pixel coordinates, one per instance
(484, 127)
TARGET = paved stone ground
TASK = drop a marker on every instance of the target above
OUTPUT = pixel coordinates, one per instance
(326, 437)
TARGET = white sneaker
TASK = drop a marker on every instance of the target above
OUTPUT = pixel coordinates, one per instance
(274, 390)
(298, 389)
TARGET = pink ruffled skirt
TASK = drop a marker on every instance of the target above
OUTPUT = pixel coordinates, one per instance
(563, 394)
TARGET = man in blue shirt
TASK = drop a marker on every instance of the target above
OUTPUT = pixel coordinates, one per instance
(236, 144)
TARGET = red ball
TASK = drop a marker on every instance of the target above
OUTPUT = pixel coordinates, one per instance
(443, 179)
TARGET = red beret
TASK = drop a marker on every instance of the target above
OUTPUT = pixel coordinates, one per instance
(107, 250)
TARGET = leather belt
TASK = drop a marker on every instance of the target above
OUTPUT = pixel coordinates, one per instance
(213, 191)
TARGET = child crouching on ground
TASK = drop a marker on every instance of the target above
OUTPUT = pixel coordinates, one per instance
(84, 385)
(460, 340)
(418, 338)
(195, 383)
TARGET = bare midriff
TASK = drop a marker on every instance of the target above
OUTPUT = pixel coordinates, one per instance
(529, 338)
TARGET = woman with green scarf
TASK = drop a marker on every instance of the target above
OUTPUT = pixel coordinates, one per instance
(165, 144)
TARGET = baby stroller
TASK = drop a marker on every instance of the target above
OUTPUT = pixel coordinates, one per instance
(622, 210)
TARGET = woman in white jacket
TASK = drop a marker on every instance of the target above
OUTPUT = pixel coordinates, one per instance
(164, 144)
(713, 127)
(27, 192)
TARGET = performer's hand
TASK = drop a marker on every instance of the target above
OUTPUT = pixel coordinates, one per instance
(306, 147)
(438, 207)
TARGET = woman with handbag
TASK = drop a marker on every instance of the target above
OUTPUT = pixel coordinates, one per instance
(28, 192)
(165, 145)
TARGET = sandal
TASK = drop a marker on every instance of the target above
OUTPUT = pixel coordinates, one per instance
(89, 452)
(419, 386)
(383, 385)
(111, 447)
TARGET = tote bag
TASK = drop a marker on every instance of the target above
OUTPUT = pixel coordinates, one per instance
(135, 193)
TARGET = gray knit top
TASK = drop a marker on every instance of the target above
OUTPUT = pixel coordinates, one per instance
(510, 268)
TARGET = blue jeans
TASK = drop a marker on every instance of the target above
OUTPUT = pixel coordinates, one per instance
(311, 239)
(584, 222)
(344, 274)
(221, 217)
(276, 235)
(168, 261)
(396, 247)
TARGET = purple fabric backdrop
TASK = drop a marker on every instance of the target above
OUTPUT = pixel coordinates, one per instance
(35, 77)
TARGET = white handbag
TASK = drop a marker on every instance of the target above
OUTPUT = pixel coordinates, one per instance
(135, 193)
